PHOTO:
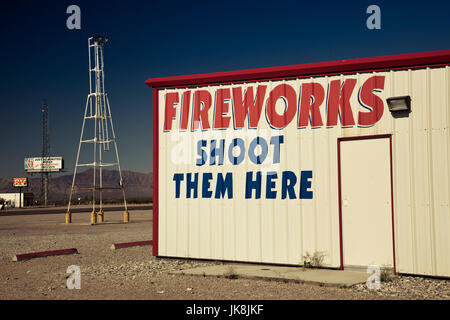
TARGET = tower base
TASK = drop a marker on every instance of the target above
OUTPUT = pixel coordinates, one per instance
(68, 217)
(93, 217)
(100, 215)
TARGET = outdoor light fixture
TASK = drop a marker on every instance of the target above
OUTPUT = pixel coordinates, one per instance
(402, 103)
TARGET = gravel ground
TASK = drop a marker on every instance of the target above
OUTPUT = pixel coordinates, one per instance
(133, 273)
(408, 287)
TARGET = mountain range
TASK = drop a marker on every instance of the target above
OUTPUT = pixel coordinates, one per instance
(137, 185)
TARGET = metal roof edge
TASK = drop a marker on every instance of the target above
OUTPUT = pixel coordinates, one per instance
(399, 61)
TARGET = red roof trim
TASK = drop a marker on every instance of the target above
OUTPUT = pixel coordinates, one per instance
(401, 61)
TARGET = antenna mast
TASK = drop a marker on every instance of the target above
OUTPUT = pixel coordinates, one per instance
(45, 153)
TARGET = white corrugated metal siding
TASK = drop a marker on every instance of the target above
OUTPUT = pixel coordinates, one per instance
(282, 231)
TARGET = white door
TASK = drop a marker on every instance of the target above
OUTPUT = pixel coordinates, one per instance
(366, 202)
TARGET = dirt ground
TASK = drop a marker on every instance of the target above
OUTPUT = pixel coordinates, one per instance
(133, 273)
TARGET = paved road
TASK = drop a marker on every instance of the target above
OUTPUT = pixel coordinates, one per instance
(73, 209)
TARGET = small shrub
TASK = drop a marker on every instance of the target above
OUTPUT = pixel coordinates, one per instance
(313, 261)
(386, 274)
(230, 273)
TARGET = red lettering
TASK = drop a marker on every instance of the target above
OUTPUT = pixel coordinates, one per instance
(170, 114)
(339, 99)
(250, 106)
(186, 102)
(312, 97)
(201, 97)
(287, 93)
(221, 122)
(371, 101)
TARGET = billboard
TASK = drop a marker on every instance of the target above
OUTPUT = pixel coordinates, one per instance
(20, 182)
(46, 164)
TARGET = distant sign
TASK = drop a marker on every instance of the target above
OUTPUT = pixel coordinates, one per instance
(46, 164)
(20, 182)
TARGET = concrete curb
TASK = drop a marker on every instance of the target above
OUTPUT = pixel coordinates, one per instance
(26, 256)
(320, 277)
(116, 246)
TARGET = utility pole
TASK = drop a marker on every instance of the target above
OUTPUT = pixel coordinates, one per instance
(98, 110)
(45, 152)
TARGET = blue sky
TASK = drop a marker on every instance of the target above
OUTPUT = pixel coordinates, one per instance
(40, 58)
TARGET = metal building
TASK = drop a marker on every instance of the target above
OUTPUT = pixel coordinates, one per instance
(14, 200)
(349, 158)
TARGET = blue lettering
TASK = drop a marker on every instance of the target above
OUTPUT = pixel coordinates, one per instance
(239, 143)
(264, 150)
(305, 184)
(201, 153)
(288, 181)
(206, 193)
(217, 152)
(191, 185)
(224, 185)
(178, 177)
(276, 141)
(251, 185)
(270, 185)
